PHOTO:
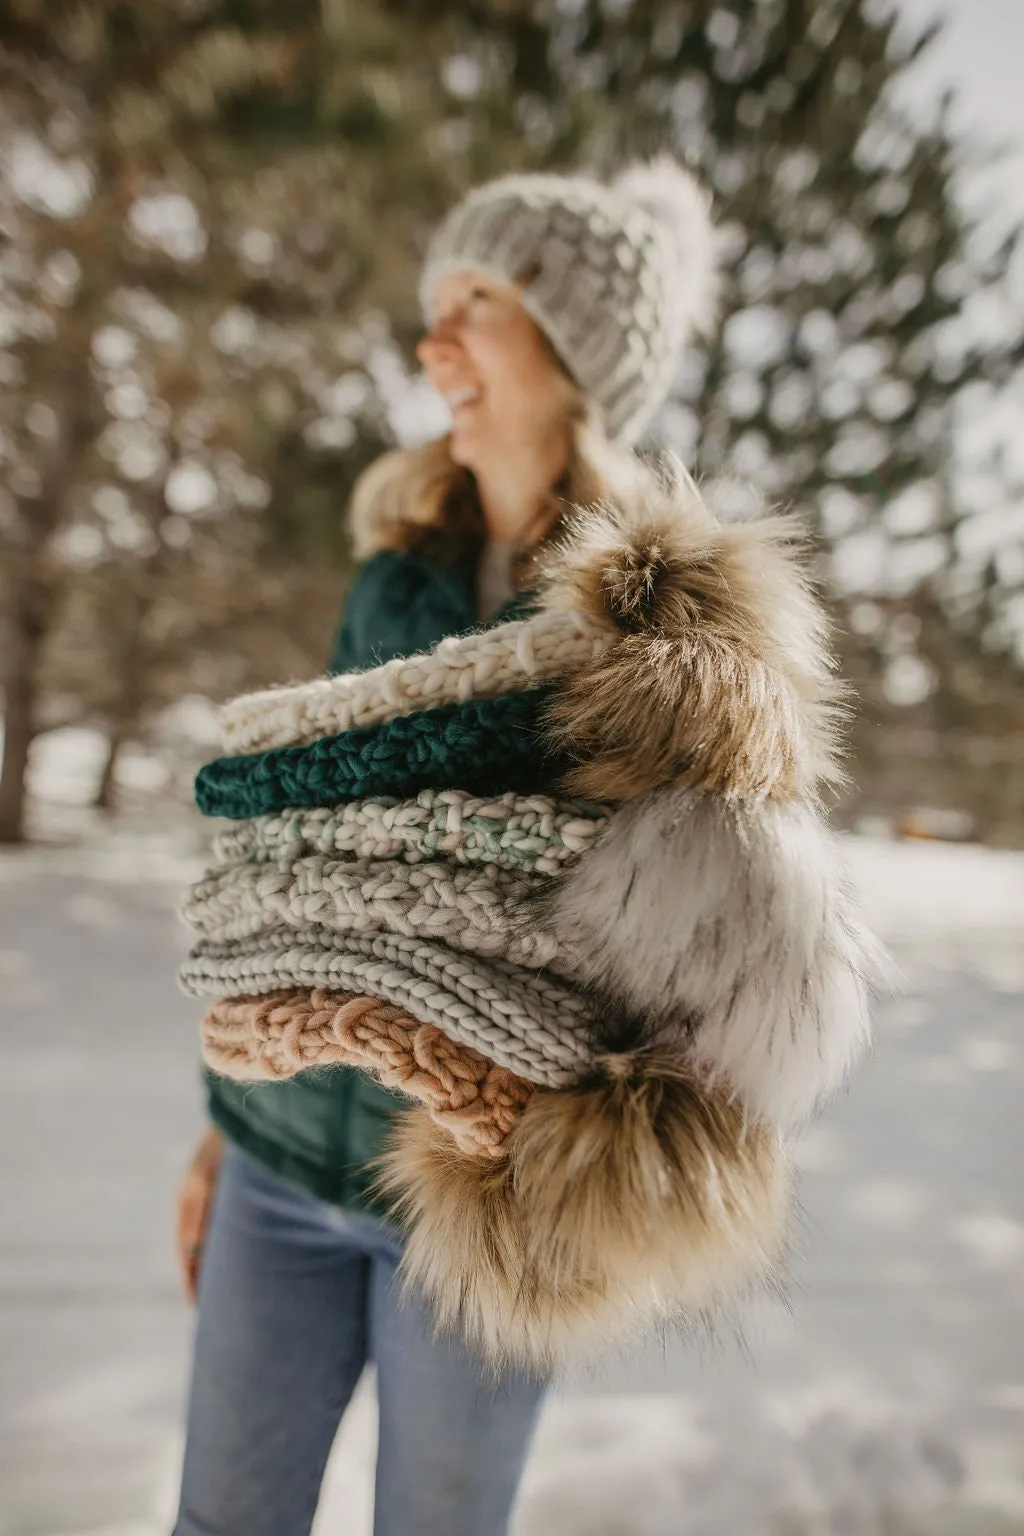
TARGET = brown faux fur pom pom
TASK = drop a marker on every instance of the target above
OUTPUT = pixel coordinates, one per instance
(721, 676)
(638, 1196)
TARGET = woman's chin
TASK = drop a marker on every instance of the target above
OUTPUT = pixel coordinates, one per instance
(464, 446)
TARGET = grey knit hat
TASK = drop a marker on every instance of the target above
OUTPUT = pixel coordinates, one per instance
(617, 277)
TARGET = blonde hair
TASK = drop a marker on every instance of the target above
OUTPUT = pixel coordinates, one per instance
(419, 498)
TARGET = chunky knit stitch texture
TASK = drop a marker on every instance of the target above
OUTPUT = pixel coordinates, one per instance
(471, 909)
(718, 967)
(267, 1039)
(532, 833)
(524, 1020)
(485, 746)
(506, 659)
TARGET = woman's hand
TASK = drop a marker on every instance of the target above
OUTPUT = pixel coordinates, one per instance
(195, 1197)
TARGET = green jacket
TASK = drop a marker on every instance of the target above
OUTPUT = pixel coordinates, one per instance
(323, 1129)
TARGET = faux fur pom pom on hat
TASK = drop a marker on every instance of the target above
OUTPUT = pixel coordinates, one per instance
(635, 1199)
(721, 675)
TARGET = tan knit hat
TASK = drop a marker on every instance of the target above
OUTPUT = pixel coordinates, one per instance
(617, 277)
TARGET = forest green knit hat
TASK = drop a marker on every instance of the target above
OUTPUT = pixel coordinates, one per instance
(617, 277)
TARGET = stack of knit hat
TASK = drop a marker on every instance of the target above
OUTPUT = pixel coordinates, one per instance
(387, 855)
(565, 883)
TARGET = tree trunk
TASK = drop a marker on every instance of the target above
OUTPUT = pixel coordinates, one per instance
(31, 599)
(23, 645)
(104, 799)
(129, 662)
(118, 738)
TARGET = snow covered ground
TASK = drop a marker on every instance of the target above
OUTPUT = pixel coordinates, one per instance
(888, 1401)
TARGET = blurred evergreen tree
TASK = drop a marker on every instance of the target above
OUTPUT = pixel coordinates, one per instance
(210, 206)
(203, 207)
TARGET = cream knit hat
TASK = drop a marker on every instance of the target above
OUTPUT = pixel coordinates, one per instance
(617, 277)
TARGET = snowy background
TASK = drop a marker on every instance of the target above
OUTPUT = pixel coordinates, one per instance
(889, 1399)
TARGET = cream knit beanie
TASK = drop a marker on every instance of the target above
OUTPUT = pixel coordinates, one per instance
(617, 277)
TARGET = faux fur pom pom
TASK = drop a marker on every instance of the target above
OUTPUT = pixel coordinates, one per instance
(728, 933)
(720, 675)
(635, 1198)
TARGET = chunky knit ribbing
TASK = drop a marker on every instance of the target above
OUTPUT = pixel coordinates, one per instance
(268, 1039)
(506, 659)
(471, 909)
(523, 1020)
(484, 746)
(532, 833)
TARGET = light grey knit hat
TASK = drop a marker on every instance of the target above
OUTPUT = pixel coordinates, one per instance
(617, 277)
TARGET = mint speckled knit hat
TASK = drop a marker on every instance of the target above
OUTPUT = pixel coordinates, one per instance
(617, 277)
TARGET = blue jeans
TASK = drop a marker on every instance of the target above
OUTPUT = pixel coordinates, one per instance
(294, 1297)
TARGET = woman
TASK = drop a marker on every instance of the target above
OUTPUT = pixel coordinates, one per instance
(557, 309)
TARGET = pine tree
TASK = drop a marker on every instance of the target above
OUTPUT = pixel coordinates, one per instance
(201, 208)
(248, 189)
(853, 334)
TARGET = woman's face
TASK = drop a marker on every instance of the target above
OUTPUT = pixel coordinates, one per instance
(494, 368)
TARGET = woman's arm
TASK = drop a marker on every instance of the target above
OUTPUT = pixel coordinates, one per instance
(397, 605)
(194, 1203)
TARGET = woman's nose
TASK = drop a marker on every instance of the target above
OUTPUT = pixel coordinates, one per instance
(440, 344)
